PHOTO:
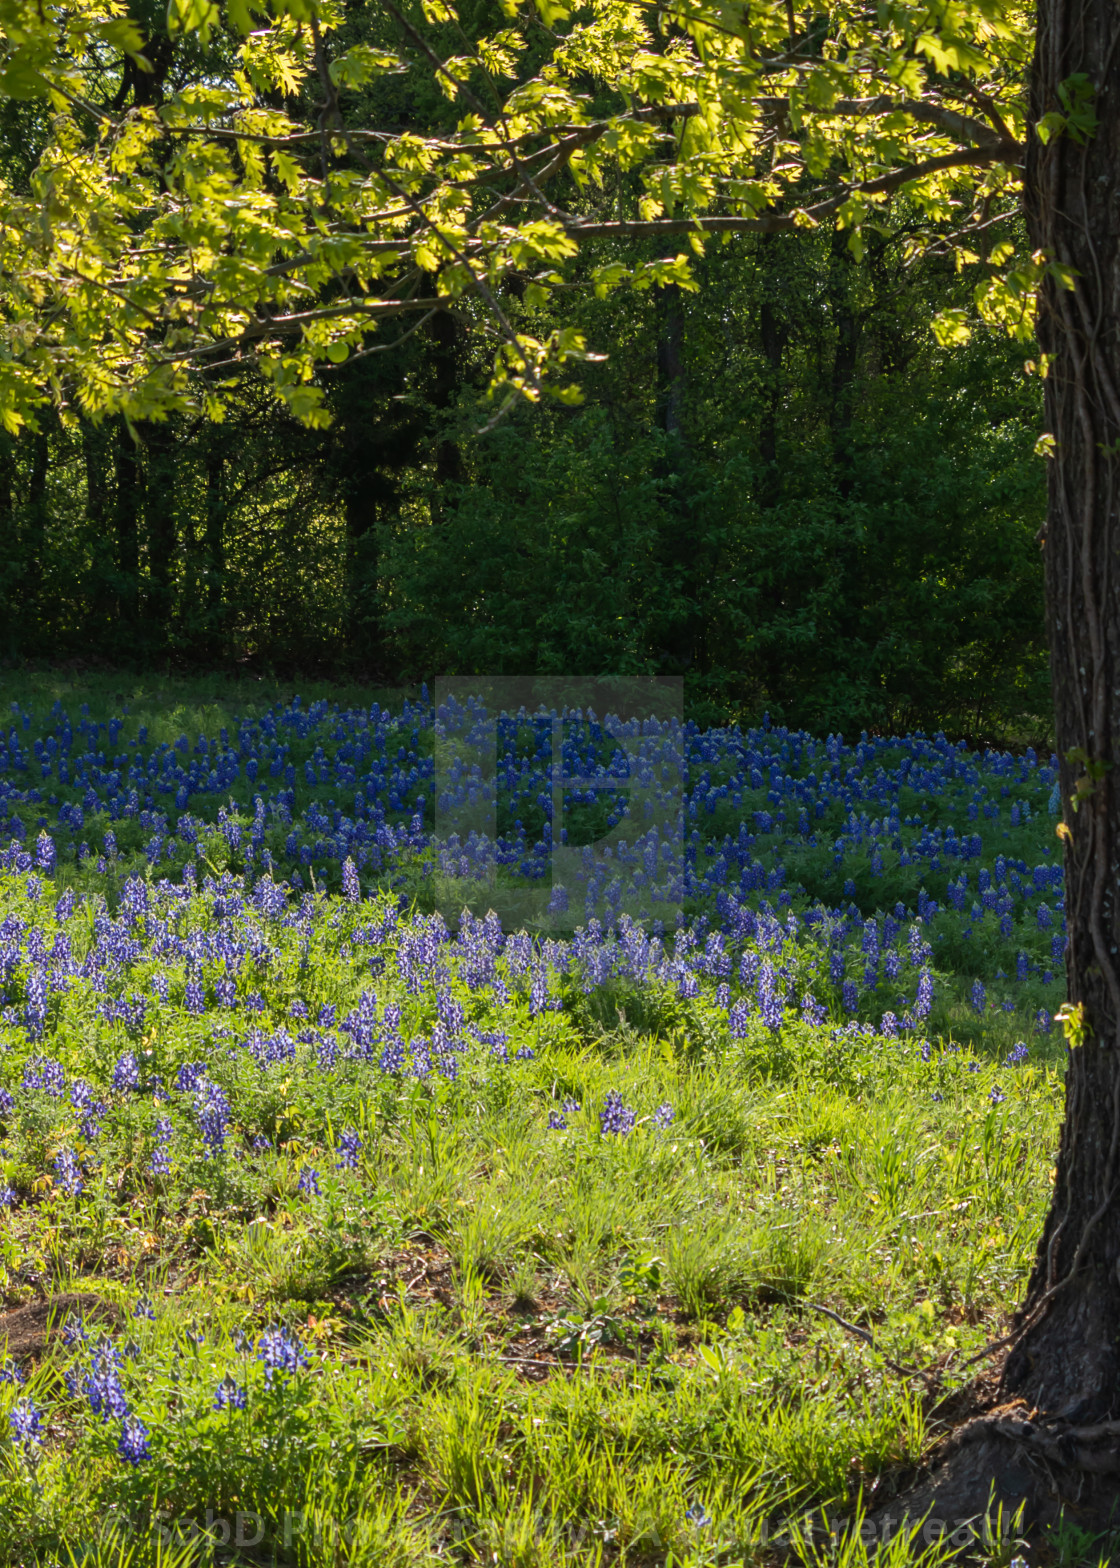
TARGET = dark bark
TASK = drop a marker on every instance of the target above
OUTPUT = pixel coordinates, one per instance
(95, 459)
(1050, 1432)
(773, 333)
(681, 639)
(841, 391)
(129, 491)
(9, 549)
(36, 527)
(160, 475)
(670, 362)
(214, 546)
(1068, 1358)
(446, 382)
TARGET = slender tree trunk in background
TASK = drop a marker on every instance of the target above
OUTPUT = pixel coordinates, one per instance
(670, 361)
(448, 379)
(161, 471)
(214, 548)
(129, 488)
(36, 529)
(682, 637)
(9, 550)
(841, 390)
(773, 333)
(95, 462)
(1069, 1360)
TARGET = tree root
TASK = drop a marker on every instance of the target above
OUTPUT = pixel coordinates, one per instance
(1019, 1464)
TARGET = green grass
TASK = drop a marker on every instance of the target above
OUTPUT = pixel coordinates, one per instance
(528, 1346)
(534, 1346)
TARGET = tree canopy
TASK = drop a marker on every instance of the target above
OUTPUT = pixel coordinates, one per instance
(210, 191)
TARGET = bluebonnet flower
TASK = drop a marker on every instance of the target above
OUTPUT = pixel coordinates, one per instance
(924, 1000)
(813, 1011)
(849, 998)
(979, 996)
(347, 1146)
(68, 1172)
(663, 1116)
(1057, 947)
(308, 1181)
(102, 1385)
(351, 886)
(737, 1018)
(126, 1074)
(281, 1353)
(143, 1309)
(889, 1026)
(25, 1423)
(1042, 1021)
(616, 1117)
(698, 1516)
(213, 1112)
(160, 987)
(230, 1395)
(996, 1095)
(1017, 1054)
(134, 1440)
(570, 1107)
(556, 1122)
(46, 1074)
(74, 1330)
(525, 1054)
(10, 1373)
(770, 1005)
(1022, 966)
(160, 1162)
(392, 1057)
(1043, 918)
(195, 998)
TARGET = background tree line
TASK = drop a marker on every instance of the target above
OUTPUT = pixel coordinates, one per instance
(778, 486)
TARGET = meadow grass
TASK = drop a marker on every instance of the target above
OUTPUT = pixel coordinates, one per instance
(469, 1277)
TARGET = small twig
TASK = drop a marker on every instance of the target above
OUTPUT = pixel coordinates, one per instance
(868, 1339)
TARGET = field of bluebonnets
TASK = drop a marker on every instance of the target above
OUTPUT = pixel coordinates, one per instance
(332, 1234)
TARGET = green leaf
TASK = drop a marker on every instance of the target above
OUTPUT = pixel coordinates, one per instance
(192, 16)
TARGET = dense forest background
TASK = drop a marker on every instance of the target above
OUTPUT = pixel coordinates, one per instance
(778, 486)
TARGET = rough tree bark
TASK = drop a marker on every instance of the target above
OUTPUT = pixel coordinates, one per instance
(1067, 1360)
(1051, 1433)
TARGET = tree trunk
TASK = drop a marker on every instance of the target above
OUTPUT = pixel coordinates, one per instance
(214, 547)
(36, 552)
(1050, 1437)
(127, 528)
(1068, 1360)
(159, 527)
(9, 550)
(94, 455)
